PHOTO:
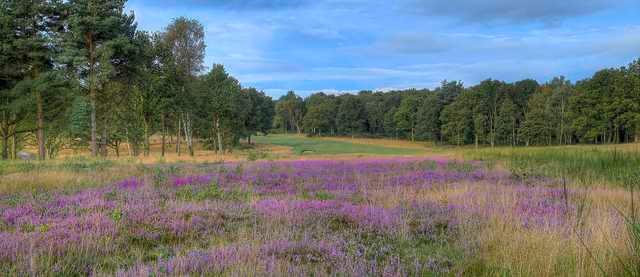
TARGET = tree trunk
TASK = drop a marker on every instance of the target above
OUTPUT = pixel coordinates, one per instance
(103, 146)
(164, 132)
(92, 93)
(513, 132)
(219, 134)
(5, 135)
(178, 135)
(147, 142)
(147, 146)
(492, 139)
(94, 131)
(129, 146)
(476, 141)
(42, 152)
(249, 139)
(561, 137)
(14, 145)
(188, 134)
(5, 147)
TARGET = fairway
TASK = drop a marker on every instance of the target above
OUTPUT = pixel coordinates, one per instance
(301, 145)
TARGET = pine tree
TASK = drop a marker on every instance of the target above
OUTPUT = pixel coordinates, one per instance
(95, 28)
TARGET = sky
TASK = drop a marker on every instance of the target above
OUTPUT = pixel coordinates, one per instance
(338, 46)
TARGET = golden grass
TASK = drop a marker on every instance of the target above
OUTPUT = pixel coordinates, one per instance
(511, 249)
(60, 179)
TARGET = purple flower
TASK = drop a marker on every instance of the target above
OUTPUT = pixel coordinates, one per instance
(363, 216)
(192, 180)
(130, 183)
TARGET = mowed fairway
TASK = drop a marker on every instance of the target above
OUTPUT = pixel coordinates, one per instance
(301, 145)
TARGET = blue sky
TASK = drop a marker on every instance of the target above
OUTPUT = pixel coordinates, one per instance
(350, 45)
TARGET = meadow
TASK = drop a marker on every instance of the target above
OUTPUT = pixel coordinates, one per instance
(418, 211)
(315, 146)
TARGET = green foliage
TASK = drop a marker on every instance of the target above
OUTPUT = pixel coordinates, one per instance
(320, 117)
(428, 118)
(80, 113)
(406, 117)
(350, 116)
(116, 215)
(458, 120)
(507, 123)
(290, 112)
(535, 130)
(85, 164)
(460, 166)
(211, 192)
(323, 195)
(440, 257)
(259, 116)
(160, 174)
(255, 155)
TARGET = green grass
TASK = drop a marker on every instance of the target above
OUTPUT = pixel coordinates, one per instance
(317, 146)
(587, 165)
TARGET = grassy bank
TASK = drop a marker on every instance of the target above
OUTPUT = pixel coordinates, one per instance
(584, 165)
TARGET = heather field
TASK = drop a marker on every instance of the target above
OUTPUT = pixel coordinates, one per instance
(340, 138)
(389, 216)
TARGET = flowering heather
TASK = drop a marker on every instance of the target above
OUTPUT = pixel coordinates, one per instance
(212, 261)
(364, 216)
(390, 217)
(430, 218)
(542, 207)
(192, 180)
(305, 251)
(131, 183)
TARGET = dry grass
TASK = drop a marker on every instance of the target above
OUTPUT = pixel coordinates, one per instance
(597, 244)
(48, 180)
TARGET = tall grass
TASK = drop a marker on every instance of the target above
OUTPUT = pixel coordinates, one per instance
(583, 165)
(68, 174)
(74, 164)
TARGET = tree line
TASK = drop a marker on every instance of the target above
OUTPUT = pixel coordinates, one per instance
(80, 74)
(602, 109)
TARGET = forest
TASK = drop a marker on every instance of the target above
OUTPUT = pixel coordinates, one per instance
(80, 74)
(602, 109)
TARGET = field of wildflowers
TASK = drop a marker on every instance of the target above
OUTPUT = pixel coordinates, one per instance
(360, 217)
